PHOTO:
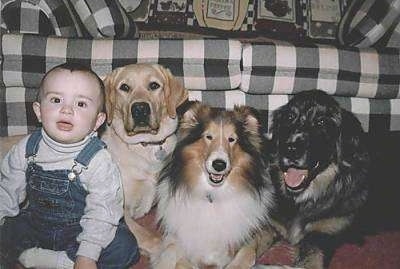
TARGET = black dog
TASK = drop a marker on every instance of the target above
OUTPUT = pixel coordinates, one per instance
(320, 174)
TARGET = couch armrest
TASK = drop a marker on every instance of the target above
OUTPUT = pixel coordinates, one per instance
(286, 68)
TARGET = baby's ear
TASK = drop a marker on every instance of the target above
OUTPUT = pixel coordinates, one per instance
(36, 109)
(101, 118)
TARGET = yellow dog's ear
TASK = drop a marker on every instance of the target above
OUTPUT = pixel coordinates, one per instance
(109, 84)
(174, 92)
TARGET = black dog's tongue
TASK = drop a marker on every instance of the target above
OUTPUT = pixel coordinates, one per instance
(294, 177)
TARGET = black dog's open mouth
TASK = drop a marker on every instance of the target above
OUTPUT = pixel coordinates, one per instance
(216, 179)
(297, 179)
(294, 178)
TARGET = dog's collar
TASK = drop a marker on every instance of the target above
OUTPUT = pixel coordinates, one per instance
(158, 143)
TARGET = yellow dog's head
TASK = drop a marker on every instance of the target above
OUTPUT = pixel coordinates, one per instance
(141, 96)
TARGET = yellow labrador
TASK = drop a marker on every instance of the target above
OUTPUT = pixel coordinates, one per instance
(141, 102)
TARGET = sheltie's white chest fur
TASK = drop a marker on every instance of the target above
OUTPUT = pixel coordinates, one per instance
(210, 223)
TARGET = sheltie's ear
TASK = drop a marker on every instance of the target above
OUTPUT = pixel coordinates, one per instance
(249, 119)
(192, 118)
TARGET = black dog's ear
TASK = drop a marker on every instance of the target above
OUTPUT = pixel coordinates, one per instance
(352, 150)
(273, 133)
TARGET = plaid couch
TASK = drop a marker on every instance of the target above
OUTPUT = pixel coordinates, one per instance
(219, 72)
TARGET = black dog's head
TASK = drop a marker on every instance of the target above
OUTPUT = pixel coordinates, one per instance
(310, 133)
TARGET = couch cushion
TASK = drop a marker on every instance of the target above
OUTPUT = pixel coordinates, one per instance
(375, 115)
(286, 68)
(204, 64)
(200, 64)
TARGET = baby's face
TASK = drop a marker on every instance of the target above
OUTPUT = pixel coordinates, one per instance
(70, 105)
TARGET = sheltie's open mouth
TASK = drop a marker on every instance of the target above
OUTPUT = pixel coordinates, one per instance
(216, 179)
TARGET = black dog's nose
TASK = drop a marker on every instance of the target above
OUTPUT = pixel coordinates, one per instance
(141, 113)
(294, 150)
(219, 165)
(291, 148)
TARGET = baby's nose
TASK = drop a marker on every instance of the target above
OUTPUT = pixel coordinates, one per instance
(67, 109)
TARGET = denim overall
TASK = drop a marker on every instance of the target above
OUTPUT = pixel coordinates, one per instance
(56, 205)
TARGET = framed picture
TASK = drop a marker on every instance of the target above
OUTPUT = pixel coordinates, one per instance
(281, 18)
(172, 12)
(323, 17)
(279, 10)
(221, 14)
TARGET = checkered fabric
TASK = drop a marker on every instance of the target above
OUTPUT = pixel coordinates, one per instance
(40, 17)
(209, 68)
(366, 22)
(287, 68)
(105, 18)
(394, 39)
(200, 64)
(67, 18)
(375, 115)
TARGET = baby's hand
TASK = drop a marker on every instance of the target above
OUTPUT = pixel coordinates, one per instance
(84, 263)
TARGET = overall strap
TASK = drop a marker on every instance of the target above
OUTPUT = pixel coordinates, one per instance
(32, 145)
(89, 151)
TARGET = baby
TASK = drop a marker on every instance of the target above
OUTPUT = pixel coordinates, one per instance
(60, 191)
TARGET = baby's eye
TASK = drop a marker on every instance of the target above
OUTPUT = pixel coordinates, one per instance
(82, 104)
(231, 139)
(209, 137)
(55, 100)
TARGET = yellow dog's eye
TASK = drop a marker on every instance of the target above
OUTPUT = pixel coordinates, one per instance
(124, 87)
(154, 86)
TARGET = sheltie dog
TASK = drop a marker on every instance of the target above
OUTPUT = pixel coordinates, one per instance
(215, 192)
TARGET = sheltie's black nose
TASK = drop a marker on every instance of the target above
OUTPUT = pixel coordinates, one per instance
(219, 165)
(141, 113)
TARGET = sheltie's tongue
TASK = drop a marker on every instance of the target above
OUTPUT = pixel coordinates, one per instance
(294, 177)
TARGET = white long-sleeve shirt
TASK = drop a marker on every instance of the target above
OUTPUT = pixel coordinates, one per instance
(102, 181)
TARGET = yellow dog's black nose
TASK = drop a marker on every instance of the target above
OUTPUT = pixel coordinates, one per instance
(141, 113)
